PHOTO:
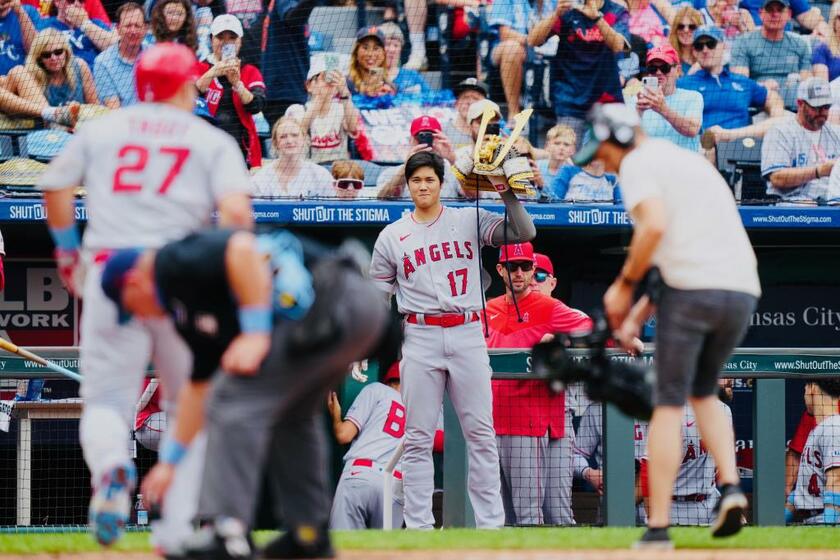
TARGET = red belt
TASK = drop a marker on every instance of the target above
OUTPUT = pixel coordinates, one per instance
(690, 498)
(370, 464)
(444, 320)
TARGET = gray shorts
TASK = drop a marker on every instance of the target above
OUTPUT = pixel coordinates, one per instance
(696, 331)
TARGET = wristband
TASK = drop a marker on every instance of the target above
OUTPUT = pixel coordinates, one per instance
(172, 452)
(66, 239)
(255, 319)
(788, 516)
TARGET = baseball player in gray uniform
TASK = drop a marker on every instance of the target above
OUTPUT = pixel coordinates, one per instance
(816, 498)
(375, 423)
(430, 258)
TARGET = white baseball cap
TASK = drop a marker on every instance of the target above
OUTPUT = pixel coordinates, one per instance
(226, 22)
(317, 64)
(477, 109)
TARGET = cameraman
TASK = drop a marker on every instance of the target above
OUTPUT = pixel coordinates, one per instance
(686, 223)
(426, 136)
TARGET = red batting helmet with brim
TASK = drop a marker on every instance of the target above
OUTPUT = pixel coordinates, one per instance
(163, 69)
(393, 373)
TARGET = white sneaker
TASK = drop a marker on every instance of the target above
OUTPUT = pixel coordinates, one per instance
(110, 505)
(416, 61)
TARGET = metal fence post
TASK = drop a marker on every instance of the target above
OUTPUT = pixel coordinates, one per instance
(769, 452)
(457, 509)
(619, 470)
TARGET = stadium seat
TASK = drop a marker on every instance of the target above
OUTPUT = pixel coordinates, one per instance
(43, 145)
(739, 162)
(7, 148)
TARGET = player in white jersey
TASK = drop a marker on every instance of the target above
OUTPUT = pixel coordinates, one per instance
(153, 173)
(375, 423)
(816, 498)
(429, 258)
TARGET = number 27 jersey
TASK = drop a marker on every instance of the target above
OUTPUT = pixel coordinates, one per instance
(433, 267)
(153, 173)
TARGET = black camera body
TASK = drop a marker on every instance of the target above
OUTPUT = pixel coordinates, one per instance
(626, 385)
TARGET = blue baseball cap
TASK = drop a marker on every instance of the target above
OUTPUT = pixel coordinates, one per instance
(711, 31)
(113, 278)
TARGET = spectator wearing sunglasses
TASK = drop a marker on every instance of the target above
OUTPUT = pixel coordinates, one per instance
(291, 175)
(348, 179)
(544, 280)
(727, 97)
(686, 21)
(667, 111)
(88, 37)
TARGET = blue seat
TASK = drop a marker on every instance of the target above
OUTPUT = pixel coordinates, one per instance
(7, 148)
(43, 145)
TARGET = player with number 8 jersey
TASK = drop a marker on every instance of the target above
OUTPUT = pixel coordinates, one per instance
(430, 259)
(154, 173)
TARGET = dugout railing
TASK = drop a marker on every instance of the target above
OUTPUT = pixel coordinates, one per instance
(768, 368)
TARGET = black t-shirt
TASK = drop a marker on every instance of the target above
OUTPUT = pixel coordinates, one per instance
(193, 287)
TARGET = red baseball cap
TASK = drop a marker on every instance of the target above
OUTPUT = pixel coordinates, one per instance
(664, 52)
(543, 263)
(516, 252)
(425, 123)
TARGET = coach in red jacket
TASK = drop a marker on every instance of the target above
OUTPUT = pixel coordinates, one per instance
(234, 92)
(536, 458)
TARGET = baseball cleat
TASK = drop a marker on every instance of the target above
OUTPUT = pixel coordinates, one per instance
(305, 541)
(110, 504)
(655, 539)
(224, 539)
(729, 511)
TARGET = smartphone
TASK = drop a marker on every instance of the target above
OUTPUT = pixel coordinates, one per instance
(493, 128)
(425, 137)
(651, 83)
(228, 51)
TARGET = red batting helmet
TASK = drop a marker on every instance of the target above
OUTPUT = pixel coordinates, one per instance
(393, 373)
(163, 69)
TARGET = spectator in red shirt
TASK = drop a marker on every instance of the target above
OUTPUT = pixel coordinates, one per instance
(535, 454)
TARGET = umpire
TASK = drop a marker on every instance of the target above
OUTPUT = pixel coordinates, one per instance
(282, 338)
(686, 223)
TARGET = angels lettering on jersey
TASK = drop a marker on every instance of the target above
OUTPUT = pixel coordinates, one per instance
(445, 250)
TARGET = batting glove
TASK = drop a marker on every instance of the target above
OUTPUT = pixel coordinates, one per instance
(67, 263)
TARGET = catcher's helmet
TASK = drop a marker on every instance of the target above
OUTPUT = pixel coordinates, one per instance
(163, 69)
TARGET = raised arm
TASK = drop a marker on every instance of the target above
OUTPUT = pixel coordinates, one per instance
(519, 227)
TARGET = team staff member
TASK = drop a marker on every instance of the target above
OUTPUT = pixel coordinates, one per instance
(375, 424)
(262, 333)
(429, 258)
(691, 230)
(534, 450)
(154, 172)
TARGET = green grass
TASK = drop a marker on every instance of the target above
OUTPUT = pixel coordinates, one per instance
(453, 539)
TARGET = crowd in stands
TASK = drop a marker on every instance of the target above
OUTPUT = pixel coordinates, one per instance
(700, 73)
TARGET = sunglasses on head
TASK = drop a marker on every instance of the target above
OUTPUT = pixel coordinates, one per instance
(49, 54)
(690, 26)
(345, 184)
(654, 68)
(524, 266)
(710, 44)
(541, 276)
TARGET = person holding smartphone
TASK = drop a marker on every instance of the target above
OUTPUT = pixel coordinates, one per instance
(234, 92)
(666, 111)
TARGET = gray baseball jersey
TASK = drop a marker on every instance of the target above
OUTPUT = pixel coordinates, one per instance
(379, 415)
(788, 144)
(432, 267)
(588, 439)
(821, 454)
(697, 471)
(153, 174)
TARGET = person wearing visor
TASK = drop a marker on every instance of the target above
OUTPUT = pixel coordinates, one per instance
(234, 92)
(727, 97)
(666, 111)
(798, 155)
(685, 222)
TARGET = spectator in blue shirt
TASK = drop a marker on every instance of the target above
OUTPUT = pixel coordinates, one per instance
(286, 56)
(585, 184)
(406, 81)
(727, 97)
(513, 18)
(88, 37)
(17, 31)
(584, 70)
(667, 111)
(114, 68)
(826, 57)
